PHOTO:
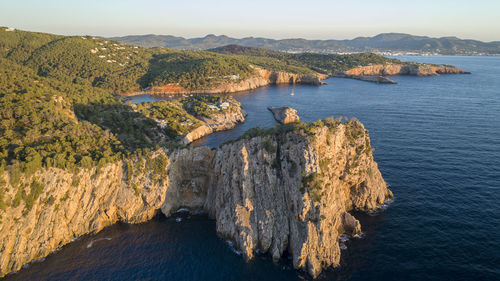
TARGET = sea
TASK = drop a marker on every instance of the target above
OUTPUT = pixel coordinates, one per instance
(437, 144)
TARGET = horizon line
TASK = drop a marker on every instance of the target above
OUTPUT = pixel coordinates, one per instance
(257, 37)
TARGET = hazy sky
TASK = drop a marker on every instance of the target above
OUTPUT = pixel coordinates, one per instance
(311, 19)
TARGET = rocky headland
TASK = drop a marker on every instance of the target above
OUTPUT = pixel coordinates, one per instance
(216, 122)
(378, 73)
(290, 188)
(405, 69)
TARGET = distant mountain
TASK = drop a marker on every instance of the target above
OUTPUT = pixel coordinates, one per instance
(385, 42)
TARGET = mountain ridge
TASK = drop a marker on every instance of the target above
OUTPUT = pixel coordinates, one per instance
(381, 43)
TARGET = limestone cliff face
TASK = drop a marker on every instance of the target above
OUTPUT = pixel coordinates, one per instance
(289, 191)
(295, 195)
(190, 173)
(75, 203)
(286, 191)
(404, 69)
(261, 78)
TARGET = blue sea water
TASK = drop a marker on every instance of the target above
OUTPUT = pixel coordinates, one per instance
(437, 143)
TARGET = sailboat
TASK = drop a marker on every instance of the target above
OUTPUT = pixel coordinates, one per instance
(292, 93)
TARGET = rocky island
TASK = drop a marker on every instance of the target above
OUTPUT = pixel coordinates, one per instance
(284, 115)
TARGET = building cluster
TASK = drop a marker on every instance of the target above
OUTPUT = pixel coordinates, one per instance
(219, 106)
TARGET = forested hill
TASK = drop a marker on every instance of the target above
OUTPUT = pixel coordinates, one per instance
(95, 62)
(58, 102)
(385, 42)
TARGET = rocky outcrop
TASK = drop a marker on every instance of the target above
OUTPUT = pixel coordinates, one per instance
(293, 192)
(286, 190)
(73, 203)
(404, 69)
(261, 78)
(284, 115)
(217, 122)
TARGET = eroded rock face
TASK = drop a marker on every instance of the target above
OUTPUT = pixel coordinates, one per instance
(190, 173)
(283, 191)
(293, 192)
(284, 115)
(404, 69)
(73, 204)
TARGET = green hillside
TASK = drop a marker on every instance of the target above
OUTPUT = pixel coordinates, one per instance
(95, 62)
(59, 108)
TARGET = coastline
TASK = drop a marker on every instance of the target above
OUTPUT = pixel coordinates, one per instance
(373, 73)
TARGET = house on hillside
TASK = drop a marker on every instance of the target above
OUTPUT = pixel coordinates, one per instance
(224, 105)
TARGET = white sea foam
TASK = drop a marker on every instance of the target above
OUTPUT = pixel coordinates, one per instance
(178, 219)
(183, 210)
(344, 238)
(231, 246)
(342, 246)
(97, 240)
(359, 236)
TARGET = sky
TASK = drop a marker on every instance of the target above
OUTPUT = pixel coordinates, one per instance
(310, 19)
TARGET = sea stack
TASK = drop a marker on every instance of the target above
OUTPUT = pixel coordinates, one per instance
(284, 115)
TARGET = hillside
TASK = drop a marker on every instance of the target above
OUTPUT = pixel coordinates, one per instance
(59, 106)
(121, 68)
(385, 42)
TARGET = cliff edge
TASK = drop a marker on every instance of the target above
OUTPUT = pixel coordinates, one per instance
(285, 189)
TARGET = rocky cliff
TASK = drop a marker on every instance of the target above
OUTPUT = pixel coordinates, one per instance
(404, 69)
(287, 189)
(60, 205)
(292, 192)
(261, 78)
